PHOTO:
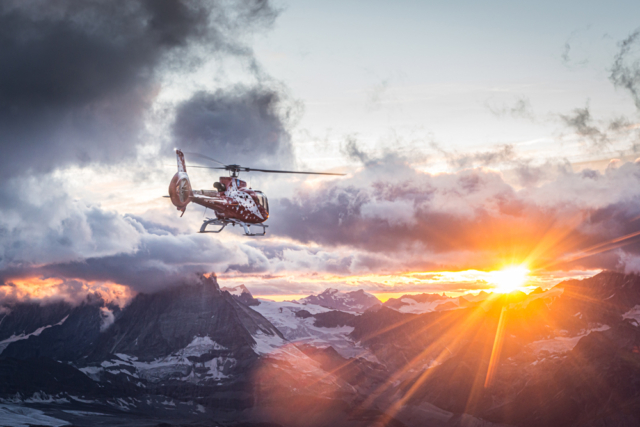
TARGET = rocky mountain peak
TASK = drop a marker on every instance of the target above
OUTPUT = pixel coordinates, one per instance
(156, 325)
(358, 301)
(242, 294)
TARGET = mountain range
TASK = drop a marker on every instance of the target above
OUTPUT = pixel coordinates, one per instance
(199, 354)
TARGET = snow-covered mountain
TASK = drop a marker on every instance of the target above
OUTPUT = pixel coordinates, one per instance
(425, 303)
(196, 353)
(421, 303)
(242, 294)
(194, 333)
(355, 301)
(313, 325)
(60, 332)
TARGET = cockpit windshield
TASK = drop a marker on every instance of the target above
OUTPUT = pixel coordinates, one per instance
(262, 200)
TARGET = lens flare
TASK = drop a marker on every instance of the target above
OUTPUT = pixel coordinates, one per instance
(509, 279)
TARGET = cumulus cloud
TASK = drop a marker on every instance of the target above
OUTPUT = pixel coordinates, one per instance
(158, 261)
(41, 223)
(471, 218)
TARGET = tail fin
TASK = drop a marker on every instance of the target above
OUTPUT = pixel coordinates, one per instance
(180, 187)
(181, 165)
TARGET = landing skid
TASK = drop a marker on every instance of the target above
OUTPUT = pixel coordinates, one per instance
(222, 223)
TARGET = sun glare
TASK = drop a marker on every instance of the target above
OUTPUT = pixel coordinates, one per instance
(509, 279)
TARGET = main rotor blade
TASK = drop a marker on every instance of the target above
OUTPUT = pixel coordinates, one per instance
(199, 167)
(298, 172)
(246, 169)
(203, 156)
(206, 167)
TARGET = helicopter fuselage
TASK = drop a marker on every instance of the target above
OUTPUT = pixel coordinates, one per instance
(235, 201)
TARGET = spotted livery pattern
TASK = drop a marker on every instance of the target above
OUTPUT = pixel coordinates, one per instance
(235, 201)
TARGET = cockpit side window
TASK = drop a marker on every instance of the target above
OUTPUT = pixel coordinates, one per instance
(262, 200)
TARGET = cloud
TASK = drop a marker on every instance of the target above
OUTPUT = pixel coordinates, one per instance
(388, 218)
(46, 290)
(376, 95)
(603, 135)
(353, 151)
(578, 49)
(78, 83)
(41, 223)
(625, 72)
(471, 218)
(581, 121)
(155, 262)
(107, 318)
(521, 109)
(247, 125)
(78, 78)
(500, 154)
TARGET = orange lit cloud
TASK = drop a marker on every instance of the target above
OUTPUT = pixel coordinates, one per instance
(55, 289)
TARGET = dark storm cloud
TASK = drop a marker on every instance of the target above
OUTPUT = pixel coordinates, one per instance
(78, 77)
(625, 72)
(238, 125)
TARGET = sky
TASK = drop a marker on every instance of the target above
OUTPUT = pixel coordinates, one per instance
(474, 136)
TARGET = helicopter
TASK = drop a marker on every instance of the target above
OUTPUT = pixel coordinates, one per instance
(231, 201)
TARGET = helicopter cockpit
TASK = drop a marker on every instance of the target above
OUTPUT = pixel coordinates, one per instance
(262, 200)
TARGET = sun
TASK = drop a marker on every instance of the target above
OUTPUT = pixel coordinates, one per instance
(509, 279)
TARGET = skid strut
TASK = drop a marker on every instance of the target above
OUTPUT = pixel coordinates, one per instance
(222, 223)
(217, 222)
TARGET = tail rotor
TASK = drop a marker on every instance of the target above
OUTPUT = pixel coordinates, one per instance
(180, 187)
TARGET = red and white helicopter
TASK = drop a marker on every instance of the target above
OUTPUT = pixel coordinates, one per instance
(231, 201)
